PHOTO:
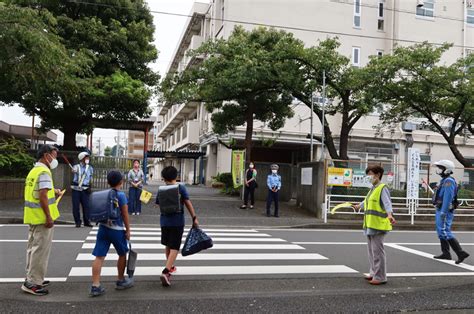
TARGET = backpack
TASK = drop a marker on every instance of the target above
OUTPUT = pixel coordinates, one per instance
(104, 206)
(169, 199)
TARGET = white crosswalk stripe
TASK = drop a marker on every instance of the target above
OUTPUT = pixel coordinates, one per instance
(235, 252)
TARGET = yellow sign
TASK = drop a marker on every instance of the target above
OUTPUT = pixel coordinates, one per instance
(339, 176)
(343, 205)
(238, 164)
(145, 196)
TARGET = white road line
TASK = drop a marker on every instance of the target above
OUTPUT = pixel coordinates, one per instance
(461, 273)
(224, 270)
(93, 238)
(54, 241)
(364, 243)
(216, 246)
(212, 234)
(205, 229)
(52, 279)
(351, 230)
(430, 256)
(215, 257)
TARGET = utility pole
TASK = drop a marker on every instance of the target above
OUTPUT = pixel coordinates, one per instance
(311, 154)
(117, 147)
(99, 140)
(322, 120)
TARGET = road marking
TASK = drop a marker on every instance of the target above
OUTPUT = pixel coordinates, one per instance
(93, 238)
(430, 256)
(352, 230)
(215, 257)
(204, 229)
(212, 234)
(461, 273)
(54, 241)
(52, 279)
(224, 270)
(364, 243)
(217, 246)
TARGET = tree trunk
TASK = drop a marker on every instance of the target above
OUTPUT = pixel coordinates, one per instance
(248, 135)
(69, 138)
(457, 154)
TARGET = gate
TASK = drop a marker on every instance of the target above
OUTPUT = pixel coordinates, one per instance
(102, 165)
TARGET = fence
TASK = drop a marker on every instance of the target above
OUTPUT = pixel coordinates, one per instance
(102, 165)
(401, 206)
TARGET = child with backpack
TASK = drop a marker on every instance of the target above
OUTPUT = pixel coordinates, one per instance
(172, 198)
(113, 229)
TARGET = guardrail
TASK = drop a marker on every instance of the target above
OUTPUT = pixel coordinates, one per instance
(401, 206)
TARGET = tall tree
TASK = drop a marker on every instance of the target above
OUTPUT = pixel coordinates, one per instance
(240, 80)
(415, 83)
(99, 69)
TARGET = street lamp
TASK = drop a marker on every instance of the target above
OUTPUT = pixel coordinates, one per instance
(322, 120)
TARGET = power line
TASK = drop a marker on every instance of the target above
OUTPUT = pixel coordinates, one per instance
(294, 28)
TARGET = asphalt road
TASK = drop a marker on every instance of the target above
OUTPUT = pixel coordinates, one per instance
(248, 270)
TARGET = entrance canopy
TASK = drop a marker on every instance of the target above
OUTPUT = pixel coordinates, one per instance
(144, 125)
(184, 154)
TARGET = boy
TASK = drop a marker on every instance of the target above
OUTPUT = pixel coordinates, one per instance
(116, 233)
(274, 186)
(172, 197)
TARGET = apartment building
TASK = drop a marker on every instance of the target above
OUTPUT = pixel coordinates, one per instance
(136, 142)
(364, 28)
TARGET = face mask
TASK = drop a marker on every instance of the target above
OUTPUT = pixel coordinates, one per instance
(372, 179)
(274, 171)
(439, 171)
(53, 164)
(86, 161)
(251, 166)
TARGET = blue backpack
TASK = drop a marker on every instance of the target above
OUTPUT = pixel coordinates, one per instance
(104, 206)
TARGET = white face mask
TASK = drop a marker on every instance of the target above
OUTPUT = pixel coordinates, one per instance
(53, 164)
(372, 179)
(439, 171)
(274, 171)
(251, 166)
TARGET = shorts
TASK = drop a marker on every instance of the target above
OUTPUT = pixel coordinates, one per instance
(171, 237)
(107, 236)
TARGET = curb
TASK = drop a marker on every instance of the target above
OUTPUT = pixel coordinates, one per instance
(16, 221)
(424, 227)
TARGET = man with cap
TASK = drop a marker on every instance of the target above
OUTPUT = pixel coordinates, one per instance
(81, 189)
(274, 186)
(40, 212)
(445, 201)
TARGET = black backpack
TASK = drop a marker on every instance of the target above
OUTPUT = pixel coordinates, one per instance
(104, 206)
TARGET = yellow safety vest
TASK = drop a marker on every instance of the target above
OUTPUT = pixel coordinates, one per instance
(375, 217)
(34, 214)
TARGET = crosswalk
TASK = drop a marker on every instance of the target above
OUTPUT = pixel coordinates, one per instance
(235, 252)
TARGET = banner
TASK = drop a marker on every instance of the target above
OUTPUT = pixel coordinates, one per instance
(360, 179)
(413, 173)
(339, 176)
(238, 164)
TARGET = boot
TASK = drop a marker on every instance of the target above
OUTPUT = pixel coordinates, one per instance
(444, 249)
(459, 252)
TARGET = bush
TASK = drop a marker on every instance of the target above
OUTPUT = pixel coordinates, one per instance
(14, 159)
(225, 178)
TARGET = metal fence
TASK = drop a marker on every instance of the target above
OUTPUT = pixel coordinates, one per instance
(102, 165)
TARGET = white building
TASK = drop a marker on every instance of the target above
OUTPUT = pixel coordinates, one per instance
(364, 28)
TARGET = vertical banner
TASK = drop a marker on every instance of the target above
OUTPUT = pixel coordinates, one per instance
(413, 173)
(238, 164)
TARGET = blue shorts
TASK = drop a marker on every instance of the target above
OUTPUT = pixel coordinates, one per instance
(107, 236)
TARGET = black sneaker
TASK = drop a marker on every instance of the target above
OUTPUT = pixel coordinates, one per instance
(44, 284)
(88, 225)
(34, 289)
(96, 291)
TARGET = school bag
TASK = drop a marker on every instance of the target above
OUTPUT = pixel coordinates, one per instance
(104, 206)
(169, 199)
(196, 241)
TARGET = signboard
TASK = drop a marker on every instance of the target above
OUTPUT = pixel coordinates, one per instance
(390, 176)
(307, 176)
(238, 164)
(339, 176)
(360, 179)
(413, 173)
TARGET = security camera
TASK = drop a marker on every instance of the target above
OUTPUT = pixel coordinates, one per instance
(419, 3)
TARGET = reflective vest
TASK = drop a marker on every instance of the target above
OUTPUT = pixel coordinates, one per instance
(375, 217)
(33, 213)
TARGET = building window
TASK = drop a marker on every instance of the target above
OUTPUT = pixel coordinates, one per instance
(380, 16)
(470, 16)
(379, 53)
(357, 13)
(356, 56)
(427, 9)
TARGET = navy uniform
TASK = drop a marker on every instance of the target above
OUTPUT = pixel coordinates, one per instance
(445, 201)
(274, 186)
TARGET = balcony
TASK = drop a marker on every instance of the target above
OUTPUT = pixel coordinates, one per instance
(178, 116)
(190, 135)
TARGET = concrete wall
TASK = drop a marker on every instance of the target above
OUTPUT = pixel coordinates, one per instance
(311, 197)
(12, 189)
(263, 170)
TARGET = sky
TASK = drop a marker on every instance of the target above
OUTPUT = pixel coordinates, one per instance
(168, 30)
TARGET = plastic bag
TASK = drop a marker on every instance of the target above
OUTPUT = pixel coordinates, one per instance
(196, 241)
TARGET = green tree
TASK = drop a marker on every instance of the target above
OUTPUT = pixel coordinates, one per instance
(240, 80)
(108, 151)
(14, 159)
(416, 84)
(70, 63)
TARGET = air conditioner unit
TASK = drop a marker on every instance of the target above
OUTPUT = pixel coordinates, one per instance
(408, 126)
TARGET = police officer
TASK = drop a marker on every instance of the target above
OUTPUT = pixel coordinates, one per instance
(445, 201)
(81, 189)
(274, 187)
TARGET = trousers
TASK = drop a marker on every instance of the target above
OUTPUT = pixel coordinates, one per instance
(38, 249)
(377, 260)
(272, 197)
(80, 198)
(443, 225)
(134, 203)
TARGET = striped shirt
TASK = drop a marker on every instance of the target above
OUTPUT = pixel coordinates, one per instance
(44, 181)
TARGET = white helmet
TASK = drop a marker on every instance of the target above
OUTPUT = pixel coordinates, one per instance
(447, 164)
(82, 155)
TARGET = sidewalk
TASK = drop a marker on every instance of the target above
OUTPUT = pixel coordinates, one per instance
(216, 209)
